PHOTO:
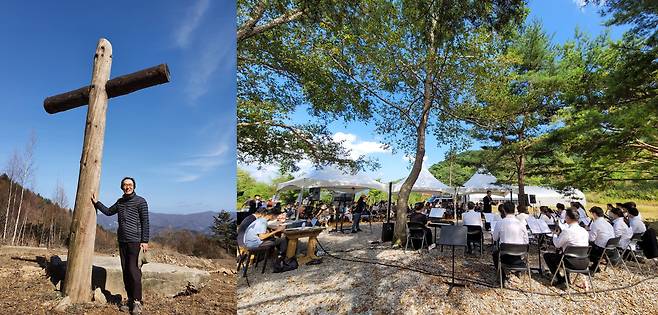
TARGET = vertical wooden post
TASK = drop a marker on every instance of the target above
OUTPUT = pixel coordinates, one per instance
(77, 284)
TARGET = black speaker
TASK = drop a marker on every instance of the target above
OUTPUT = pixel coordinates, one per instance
(387, 232)
(314, 194)
(533, 198)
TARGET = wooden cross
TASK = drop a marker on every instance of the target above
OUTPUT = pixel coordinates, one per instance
(77, 283)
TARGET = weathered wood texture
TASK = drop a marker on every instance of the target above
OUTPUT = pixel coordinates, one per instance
(77, 284)
(116, 87)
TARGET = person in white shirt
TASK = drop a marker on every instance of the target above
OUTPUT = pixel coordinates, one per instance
(562, 211)
(599, 233)
(523, 214)
(634, 219)
(621, 229)
(575, 235)
(546, 215)
(509, 231)
(472, 218)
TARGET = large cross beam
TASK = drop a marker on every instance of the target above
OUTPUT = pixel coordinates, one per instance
(77, 283)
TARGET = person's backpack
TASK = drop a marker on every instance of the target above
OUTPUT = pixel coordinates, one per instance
(649, 246)
(283, 265)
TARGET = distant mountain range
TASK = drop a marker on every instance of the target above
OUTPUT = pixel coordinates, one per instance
(199, 221)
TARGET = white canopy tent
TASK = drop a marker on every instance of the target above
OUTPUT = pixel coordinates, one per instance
(481, 182)
(426, 183)
(333, 179)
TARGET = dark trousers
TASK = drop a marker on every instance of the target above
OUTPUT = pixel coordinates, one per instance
(132, 274)
(356, 219)
(281, 244)
(512, 260)
(596, 253)
(553, 260)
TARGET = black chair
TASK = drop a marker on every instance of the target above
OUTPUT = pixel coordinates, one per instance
(611, 245)
(513, 250)
(574, 252)
(248, 255)
(415, 229)
(476, 230)
(630, 250)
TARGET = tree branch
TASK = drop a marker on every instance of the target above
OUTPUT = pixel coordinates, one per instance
(249, 29)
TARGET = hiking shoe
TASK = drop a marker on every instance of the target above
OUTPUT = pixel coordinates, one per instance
(125, 308)
(137, 308)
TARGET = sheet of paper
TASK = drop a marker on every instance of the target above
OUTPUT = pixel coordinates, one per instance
(533, 225)
(585, 220)
(437, 212)
(494, 224)
(563, 226)
(544, 227)
(488, 217)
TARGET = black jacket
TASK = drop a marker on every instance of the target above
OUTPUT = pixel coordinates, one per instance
(133, 218)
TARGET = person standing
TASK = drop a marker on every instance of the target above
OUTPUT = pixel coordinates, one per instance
(133, 236)
(487, 200)
(356, 213)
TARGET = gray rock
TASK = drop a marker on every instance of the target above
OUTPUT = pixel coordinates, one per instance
(63, 305)
(157, 278)
(99, 297)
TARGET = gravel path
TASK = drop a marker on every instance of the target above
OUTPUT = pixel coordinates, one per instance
(339, 286)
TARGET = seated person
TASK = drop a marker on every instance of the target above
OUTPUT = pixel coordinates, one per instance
(501, 212)
(472, 218)
(242, 228)
(599, 233)
(575, 235)
(257, 236)
(418, 216)
(523, 214)
(509, 231)
(619, 226)
(563, 212)
(546, 215)
(635, 221)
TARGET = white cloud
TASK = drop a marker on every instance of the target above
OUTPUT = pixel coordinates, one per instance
(359, 148)
(191, 22)
(201, 71)
(202, 164)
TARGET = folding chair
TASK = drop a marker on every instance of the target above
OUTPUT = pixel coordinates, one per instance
(414, 229)
(475, 230)
(513, 250)
(630, 249)
(611, 245)
(254, 254)
(575, 252)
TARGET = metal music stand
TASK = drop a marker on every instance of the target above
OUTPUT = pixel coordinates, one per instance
(453, 236)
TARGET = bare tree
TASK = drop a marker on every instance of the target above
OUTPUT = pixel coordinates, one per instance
(61, 200)
(26, 163)
(12, 171)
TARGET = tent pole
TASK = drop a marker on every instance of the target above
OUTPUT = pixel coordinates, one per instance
(388, 212)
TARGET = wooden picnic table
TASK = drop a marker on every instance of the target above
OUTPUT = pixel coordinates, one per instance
(295, 234)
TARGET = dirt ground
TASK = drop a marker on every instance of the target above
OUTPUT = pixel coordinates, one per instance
(357, 280)
(26, 289)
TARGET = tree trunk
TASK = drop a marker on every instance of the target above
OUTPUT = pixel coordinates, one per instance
(77, 283)
(523, 200)
(18, 216)
(405, 190)
(4, 232)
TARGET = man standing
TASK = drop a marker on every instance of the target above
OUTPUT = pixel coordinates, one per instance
(487, 200)
(133, 235)
(356, 213)
(254, 204)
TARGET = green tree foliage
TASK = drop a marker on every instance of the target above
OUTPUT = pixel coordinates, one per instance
(281, 71)
(225, 231)
(514, 99)
(609, 130)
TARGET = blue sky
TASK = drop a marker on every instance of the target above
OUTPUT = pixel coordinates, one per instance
(560, 18)
(177, 140)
